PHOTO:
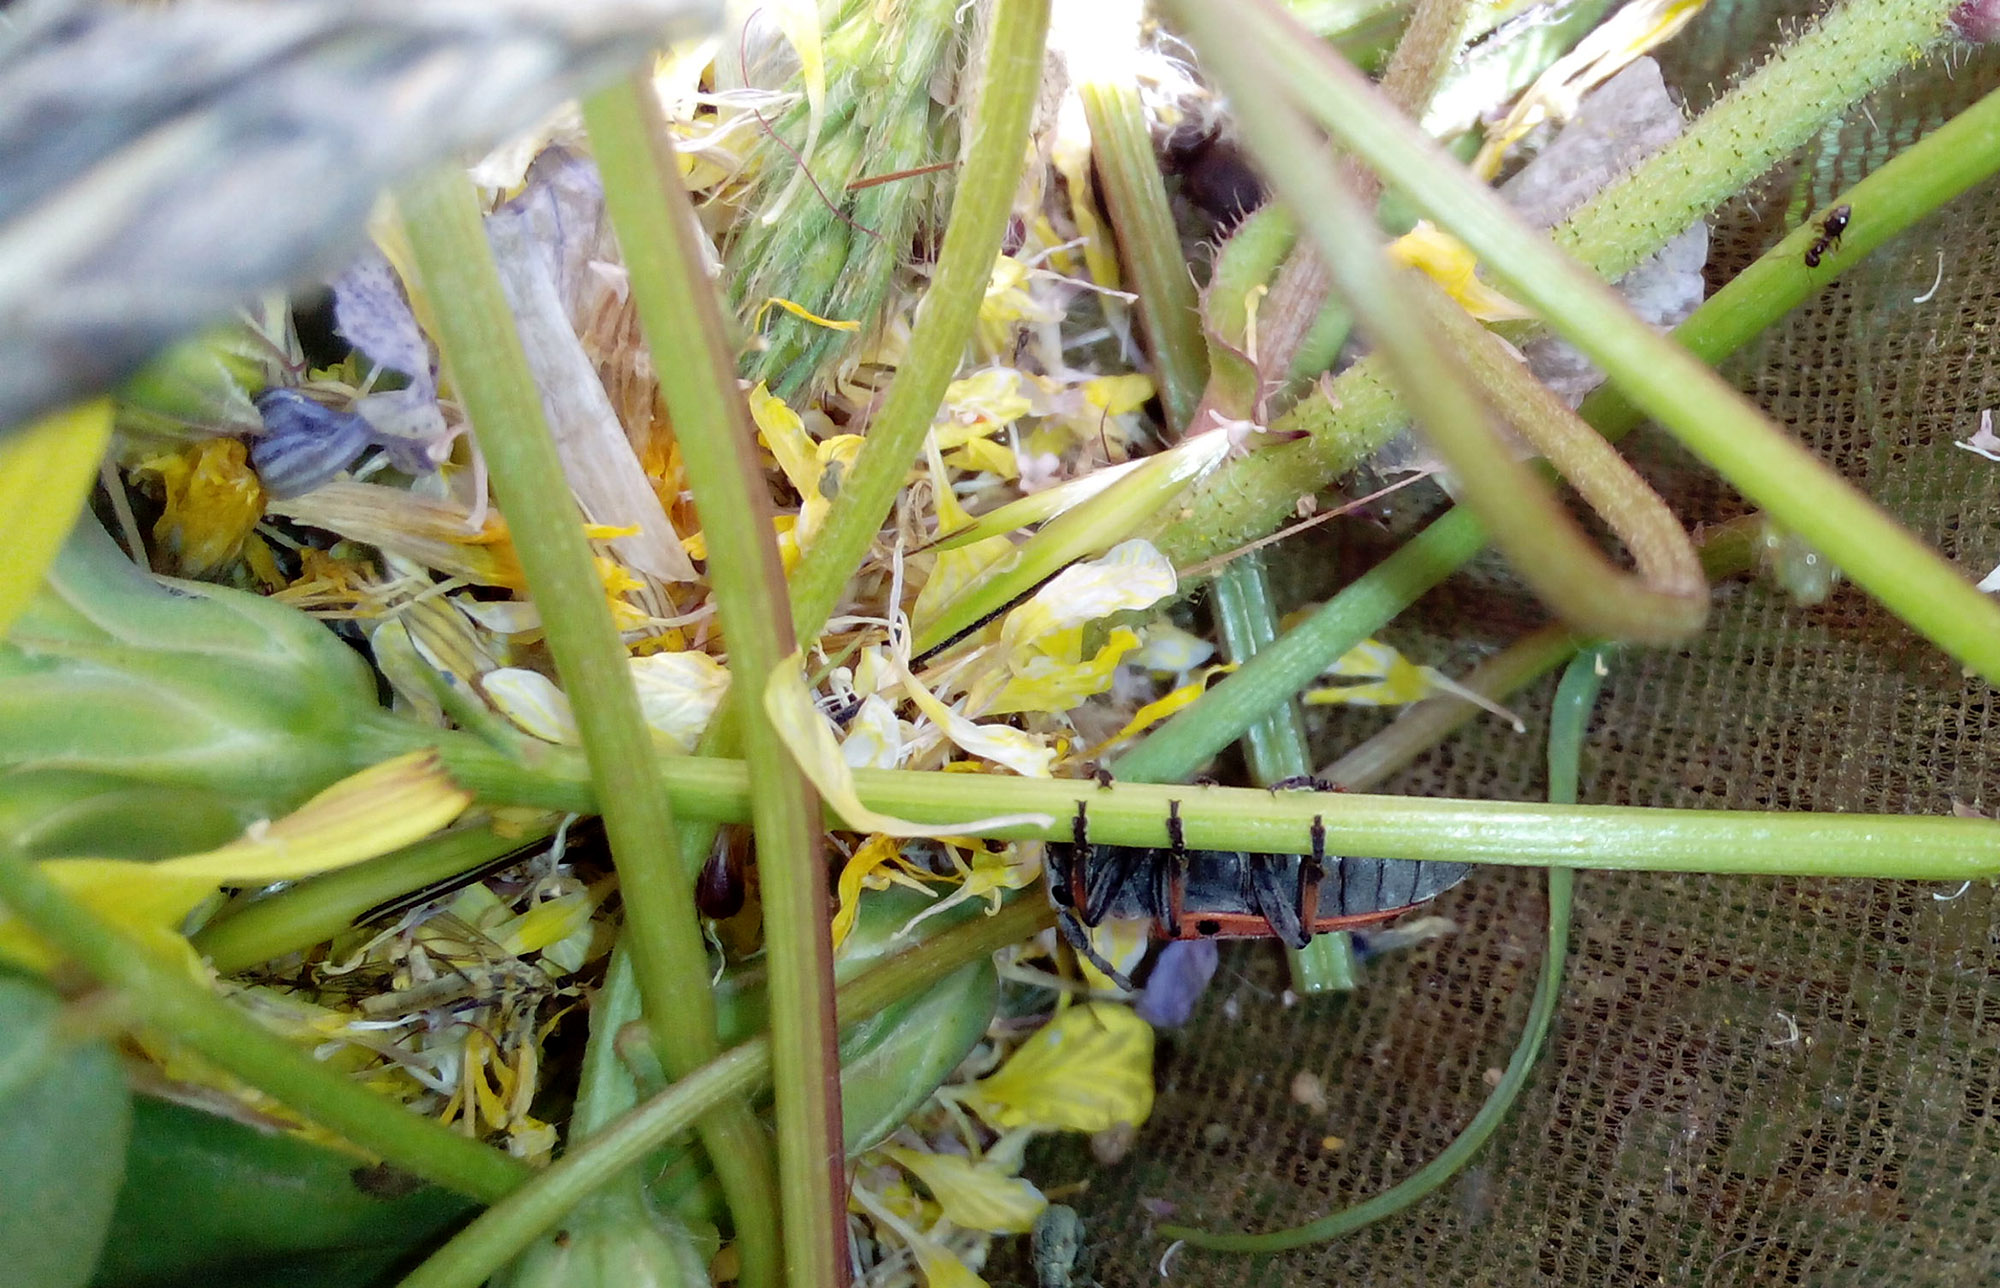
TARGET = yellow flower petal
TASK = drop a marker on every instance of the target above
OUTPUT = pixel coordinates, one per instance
(1451, 264)
(1088, 1069)
(1002, 744)
(973, 1195)
(46, 472)
(808, 736)
(872, 854)
(380, 809)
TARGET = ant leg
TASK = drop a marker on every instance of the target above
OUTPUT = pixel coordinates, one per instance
(1312, 870)
(1078, 939)
(1170, 876)
(1301, 782)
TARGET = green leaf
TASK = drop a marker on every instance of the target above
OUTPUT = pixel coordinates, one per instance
(64, 1115)
(211, 1201)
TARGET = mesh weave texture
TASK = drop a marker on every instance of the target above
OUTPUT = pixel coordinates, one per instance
(1751, 1081)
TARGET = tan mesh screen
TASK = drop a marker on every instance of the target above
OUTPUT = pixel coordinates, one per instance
(1751, 1081)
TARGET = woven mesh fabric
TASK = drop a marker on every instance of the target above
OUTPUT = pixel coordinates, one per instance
(1751, 1081)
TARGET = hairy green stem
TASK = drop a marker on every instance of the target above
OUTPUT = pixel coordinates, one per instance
(482, 351)
(164, 997)
(1686, 397)
(1849, 53)
(944, 321)
(1932, 171)
(510, 1225)
(657, 231)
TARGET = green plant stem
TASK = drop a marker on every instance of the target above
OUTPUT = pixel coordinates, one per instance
(656, 227)
(482, 351)
(1241, 818)
(1945, 163)
(1135, 198)
(1849, 53)
(1275, 747)
(1574, 700)
(944, 321)
(1685, 396)
(317, 909)
(537, 1207)
(1185, 743)
(164, 997)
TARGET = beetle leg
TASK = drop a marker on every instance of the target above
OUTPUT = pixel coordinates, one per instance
(1312, 870)
(1272, 901)
(1079, 939)
(1170, 876)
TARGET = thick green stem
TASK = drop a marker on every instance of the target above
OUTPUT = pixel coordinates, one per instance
(1231, 818)
(317, 909)
(482, 351)
(510, 1225)
(164, 997)
(1932, 171)
(1185, 743)
(944, 321)
(656, 227)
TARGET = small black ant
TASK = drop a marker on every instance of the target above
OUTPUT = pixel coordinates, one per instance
(1830, 229)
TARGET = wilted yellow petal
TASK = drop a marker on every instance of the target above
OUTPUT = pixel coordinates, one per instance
(46, 472)
(1131, 575)
(1451, 264)
(1398, 681)
(370, 813)
(801, 312)
(872, 854)
(380, 809)
(1048, 683)
(1161, 708)
(974, 1196)
(983, 402)
(874, 736)
(533, 702)
(213, 500)
(807, 735)
(983, 455)
(1122, 941)
(1002, 744)
(938, 1265)
(1118, 395)
(785, 434)
(1088, 1069)
(679, 694)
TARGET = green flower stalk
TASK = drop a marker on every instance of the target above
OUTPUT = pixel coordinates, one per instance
(811, 238)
